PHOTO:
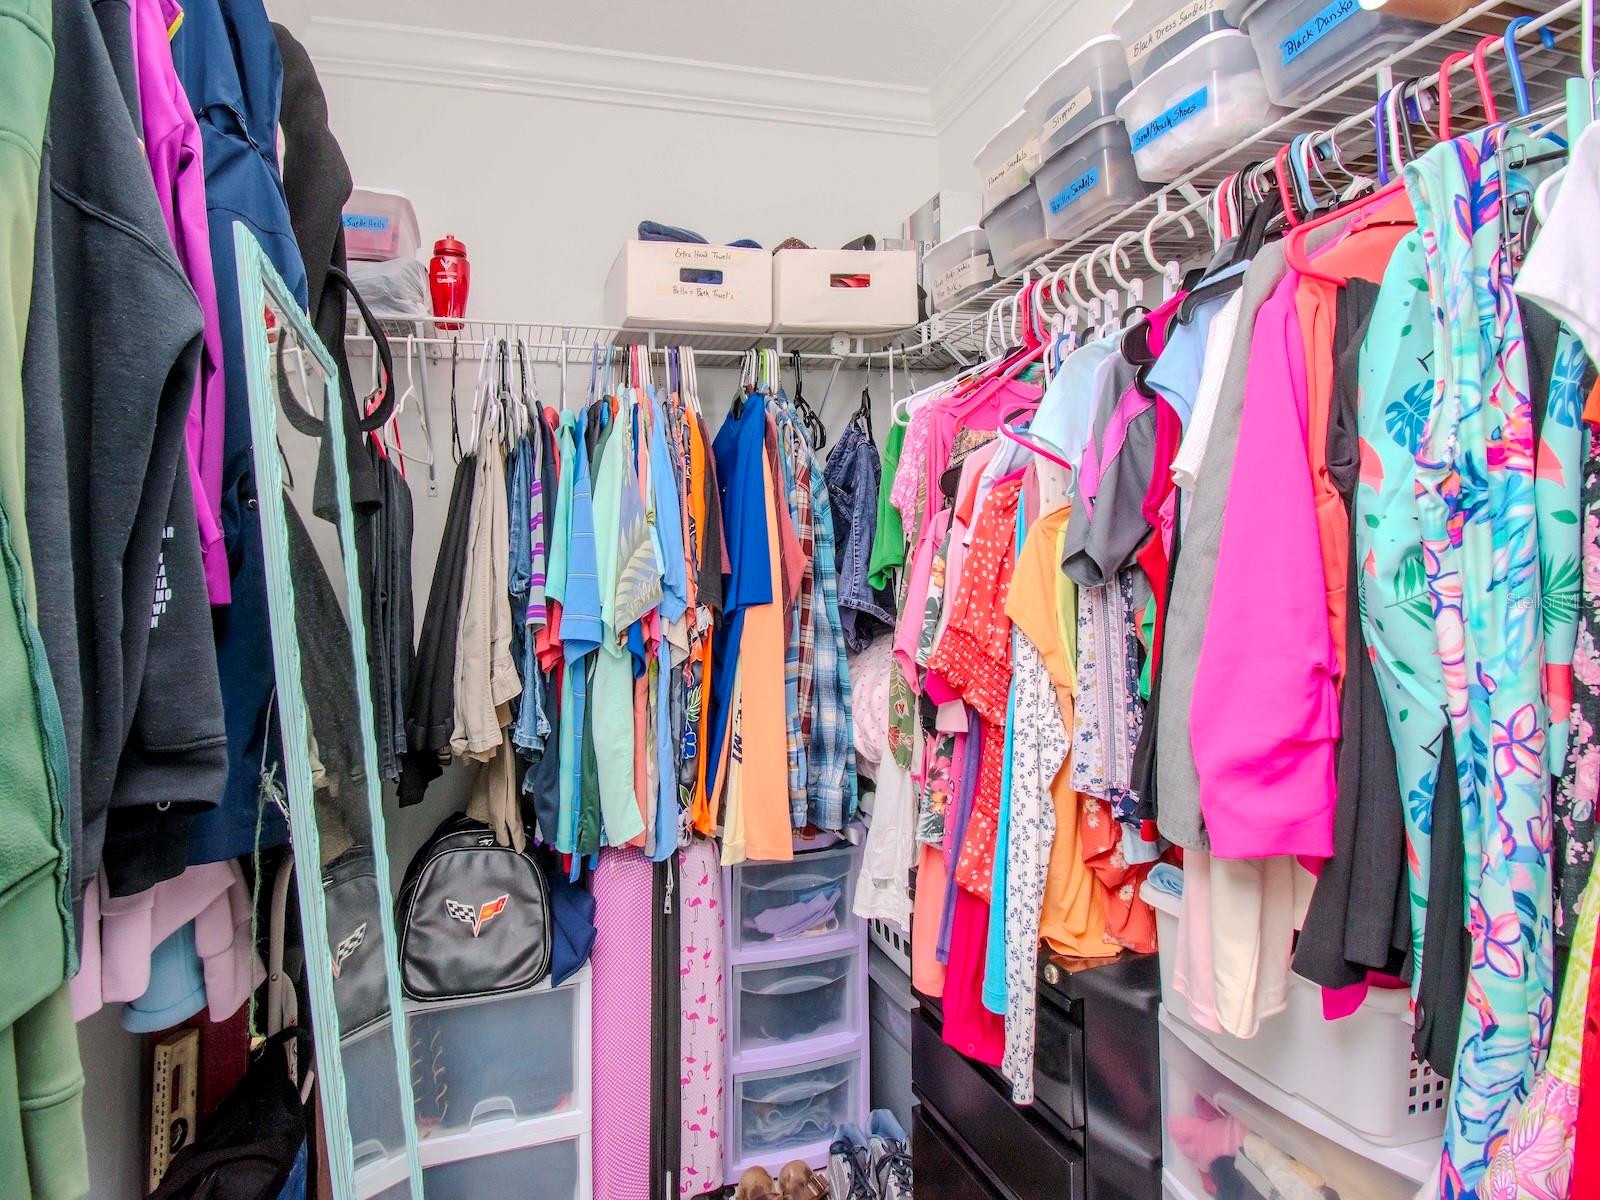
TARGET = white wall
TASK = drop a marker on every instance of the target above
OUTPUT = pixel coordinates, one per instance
(969, 120)
(543, 191)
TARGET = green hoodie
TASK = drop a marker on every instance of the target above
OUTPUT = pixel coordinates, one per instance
(42, 1150)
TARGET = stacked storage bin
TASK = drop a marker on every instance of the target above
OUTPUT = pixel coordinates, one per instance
(797, 1008)
(490, 1116)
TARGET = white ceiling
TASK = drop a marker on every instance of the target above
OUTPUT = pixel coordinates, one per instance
(903, 43)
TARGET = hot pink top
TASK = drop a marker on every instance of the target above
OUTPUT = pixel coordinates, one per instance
(172, 146)
(1265, 718)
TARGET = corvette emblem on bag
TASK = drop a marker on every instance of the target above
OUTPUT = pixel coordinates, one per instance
(476, 917)
(348, 947)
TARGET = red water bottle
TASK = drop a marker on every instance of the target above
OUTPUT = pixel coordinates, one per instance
(449, 275)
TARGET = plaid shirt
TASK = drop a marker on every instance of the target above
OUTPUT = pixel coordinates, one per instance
(830, 781)
(799, 651)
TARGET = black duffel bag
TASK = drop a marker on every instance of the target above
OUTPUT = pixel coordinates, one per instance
(473, 916)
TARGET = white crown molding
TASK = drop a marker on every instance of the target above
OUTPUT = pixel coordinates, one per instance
(443, 58)
(1014, 26)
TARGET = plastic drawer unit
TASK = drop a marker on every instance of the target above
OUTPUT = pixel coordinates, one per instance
(558, 1171)
(684, 285)
(1088, 181)
(377, 1124)
(464, 1079)
(1016, 232)
(777, 1006)
(843, 291)
(1154, 32)
(780, 906)
(1007, 161)
(1308, 46)
(1079, 93)
(958, 268)
(1197, 1098)
(1209, 98)
(793, 1112)
(1360, 1071)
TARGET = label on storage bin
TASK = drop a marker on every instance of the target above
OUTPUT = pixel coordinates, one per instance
(1170, 27)
(975, 270)
(1016, 170)
(1066, 112)
(699, 274)
(1324, 22)
(1176, 115)
(366, 222)
(1074, 190)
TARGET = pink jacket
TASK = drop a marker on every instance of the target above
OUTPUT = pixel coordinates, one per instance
(1265, 717)
(121, 932)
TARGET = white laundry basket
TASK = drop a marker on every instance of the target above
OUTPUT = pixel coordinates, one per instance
(1359, 1070)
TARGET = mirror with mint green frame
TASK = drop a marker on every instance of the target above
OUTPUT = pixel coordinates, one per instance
(324, 709)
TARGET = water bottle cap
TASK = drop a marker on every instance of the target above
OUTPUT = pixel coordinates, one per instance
(448, 245)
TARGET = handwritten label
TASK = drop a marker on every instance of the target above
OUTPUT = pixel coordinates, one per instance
(1074, 191)
(1324, 22)
(1013, 173)
(1171, 26)
(1066, 112)
(704, 254)
(697, 291)
(1176, 115)
(974, 272)
(366, 222)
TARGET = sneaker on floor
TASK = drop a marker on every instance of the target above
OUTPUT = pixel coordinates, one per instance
(891, 1157)
(850, 1166)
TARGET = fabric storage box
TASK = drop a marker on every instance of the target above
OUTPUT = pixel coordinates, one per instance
(800, 999)
(1308, 46)
(683, 285)
(380, 225)
(777, 904)
(843, 291)
(958, 268)
(1360, 1070)
(1209, 98)
(793, 1112)
(1154, 32)
(1078, 94)
(1088, 181)
(1007, 161)
(554, 1172)
(1195, 1093)
(462, 1075)
(1016, 232)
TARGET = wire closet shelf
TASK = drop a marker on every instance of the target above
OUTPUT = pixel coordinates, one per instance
(1174, 216)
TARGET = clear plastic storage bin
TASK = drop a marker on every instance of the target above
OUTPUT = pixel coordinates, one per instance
(778, 904)
(958, 268)
(380, 225)
(1196, 1097)
(1154, 32)
(377, 1124)
(782, 1004)
(1081, 91)
(1007, 161)
(1088, 181)
(780, 1114)
(462, 1076)
(1209, 98)
(1016, 232)
(536, 1173)
(1359, 1070)
(1308, 46)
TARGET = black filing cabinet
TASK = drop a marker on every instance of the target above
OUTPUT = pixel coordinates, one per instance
(1094, 1129)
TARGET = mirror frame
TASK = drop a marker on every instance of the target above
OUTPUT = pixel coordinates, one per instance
(259, 284)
